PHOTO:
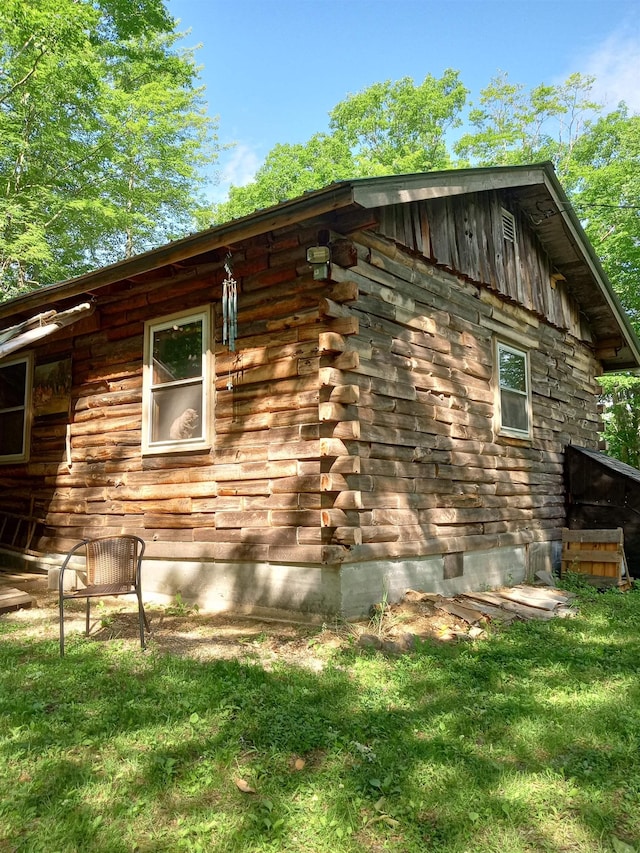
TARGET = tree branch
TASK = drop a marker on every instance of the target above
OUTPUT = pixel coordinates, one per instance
(4, 98)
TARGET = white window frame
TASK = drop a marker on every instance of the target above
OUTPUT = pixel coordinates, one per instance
(505, 429)
(25, 407)
(149, 388)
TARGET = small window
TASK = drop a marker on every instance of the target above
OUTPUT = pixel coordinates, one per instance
(514, 394)
(15, 385)
(176, 383)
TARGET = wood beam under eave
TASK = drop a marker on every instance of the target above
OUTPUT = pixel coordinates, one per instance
(607, 348)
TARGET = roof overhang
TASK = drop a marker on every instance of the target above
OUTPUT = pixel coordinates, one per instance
(535, 187)
(552, 218)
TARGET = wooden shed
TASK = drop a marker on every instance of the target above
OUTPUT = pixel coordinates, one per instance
(604, 493)
(365, 389)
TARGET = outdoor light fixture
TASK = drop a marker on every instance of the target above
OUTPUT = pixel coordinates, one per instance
(319, 257)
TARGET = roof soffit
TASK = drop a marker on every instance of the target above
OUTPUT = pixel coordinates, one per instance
(534, 186)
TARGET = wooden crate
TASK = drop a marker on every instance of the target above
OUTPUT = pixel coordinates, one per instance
(597, 555)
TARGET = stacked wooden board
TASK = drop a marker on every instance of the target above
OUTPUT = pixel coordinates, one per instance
(523, 602)
(597, 556)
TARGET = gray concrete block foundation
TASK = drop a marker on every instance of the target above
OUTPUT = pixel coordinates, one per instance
(313, 593)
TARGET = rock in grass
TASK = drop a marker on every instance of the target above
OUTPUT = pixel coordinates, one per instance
(407, 641)
(369, 641)
(392, 648)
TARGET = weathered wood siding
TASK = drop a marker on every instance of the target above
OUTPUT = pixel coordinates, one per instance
(464, 234)
(353, 422)
(257, 495)
(434, 475)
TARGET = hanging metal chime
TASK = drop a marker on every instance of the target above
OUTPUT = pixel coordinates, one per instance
(229, 307)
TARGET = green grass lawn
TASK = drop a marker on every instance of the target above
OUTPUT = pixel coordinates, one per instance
(528, 740)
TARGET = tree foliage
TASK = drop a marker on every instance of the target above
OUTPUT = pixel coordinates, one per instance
(289, 171)
(511, 126)
(621, 399)
(102, 135)
(389, 128)
(606, 195)
(398, 127)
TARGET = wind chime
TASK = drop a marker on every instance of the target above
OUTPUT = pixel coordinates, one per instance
(229, 311)
(229, 306)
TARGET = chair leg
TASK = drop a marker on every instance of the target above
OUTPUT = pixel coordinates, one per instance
(61, 605)
(142, 618)
(87, 620)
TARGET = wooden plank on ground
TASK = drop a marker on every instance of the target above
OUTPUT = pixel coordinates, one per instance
(489, 610)
(562, 596)
(467, 614)
(486, 597)
(521, 610)
(14, 599)
(522, 596)
(526, 612)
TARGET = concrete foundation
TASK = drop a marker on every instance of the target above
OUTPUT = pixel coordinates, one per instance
(313, 593)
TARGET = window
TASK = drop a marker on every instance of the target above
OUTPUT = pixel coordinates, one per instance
(176, 383)
(15, 384)
(514, 404)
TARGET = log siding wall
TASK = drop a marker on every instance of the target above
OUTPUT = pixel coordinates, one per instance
(435, 476)
(353, 422)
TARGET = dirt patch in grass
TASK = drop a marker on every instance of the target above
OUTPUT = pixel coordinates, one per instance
(188, 632)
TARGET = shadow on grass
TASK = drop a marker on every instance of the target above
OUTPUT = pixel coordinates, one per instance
(526, 741)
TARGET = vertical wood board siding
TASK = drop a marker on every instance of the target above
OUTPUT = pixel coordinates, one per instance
(465, 237)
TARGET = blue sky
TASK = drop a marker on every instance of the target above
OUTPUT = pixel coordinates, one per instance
(273, 69)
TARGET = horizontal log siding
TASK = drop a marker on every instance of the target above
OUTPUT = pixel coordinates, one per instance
(463, 234)
(359, 423)
(434, 476)
(262, 493)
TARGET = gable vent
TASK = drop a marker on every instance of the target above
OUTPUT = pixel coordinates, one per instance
(508, 226)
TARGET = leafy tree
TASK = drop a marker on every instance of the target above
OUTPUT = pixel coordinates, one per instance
(288, 171)
(388, 128)
(513, 126)
(621, 400)
(398, 127)
(102, 135)
(606, 195)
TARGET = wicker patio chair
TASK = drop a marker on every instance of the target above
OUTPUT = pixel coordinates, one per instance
(113, 567)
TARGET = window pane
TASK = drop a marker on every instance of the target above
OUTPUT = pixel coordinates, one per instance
(12, 385)
(513, 372)
(11, 433)
(513, 407)
(177, 352)
(177, 413)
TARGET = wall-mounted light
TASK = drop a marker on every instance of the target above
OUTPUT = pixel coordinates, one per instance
(319, 257)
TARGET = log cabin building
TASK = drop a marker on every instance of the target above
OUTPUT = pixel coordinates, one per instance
(365, 389)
